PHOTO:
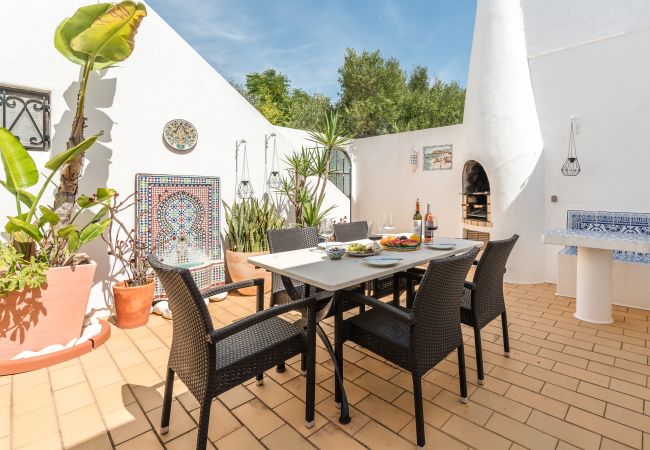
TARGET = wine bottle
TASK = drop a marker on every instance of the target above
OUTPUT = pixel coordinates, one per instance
(417, 221)
(428, 225)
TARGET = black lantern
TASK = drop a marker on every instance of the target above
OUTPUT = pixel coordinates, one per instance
(571, 166)
(274, 181)
(244, 187)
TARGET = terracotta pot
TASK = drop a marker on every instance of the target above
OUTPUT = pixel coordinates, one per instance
(132, 304)
(33, 319)
(241, 270)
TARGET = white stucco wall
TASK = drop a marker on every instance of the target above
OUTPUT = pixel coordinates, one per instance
(599, 75)
(163, 79)
(383, 182)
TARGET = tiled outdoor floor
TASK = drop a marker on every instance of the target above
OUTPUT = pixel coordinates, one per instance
(566, 385)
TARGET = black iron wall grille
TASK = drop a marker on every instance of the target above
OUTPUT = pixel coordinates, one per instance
(26, 113)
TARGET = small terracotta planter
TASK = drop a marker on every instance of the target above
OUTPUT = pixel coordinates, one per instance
(33, 319)
(240, 270)
(133, 304)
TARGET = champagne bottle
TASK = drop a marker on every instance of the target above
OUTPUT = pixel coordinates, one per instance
(417, 221)
(428, 225)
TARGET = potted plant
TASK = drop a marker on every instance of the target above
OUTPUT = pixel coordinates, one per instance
(247, 223)
(133, 296)
(45, 280)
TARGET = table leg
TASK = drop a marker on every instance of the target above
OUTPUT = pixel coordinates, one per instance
(594, 285)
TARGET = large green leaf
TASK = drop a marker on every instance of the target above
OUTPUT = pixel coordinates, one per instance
(49, 216)
(26, 227)
(19, 166)
(25, 197)
(55, 163)
(70, 27)
(103, 34)
(93, 231)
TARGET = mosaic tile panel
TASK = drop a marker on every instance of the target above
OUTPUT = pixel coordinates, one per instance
(611, 222)
(178, 219)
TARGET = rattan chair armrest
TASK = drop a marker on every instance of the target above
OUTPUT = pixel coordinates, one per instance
(469, 285)
(412, 274)
(475, 262)
(232, 286)
(373, 302)
(229, 330)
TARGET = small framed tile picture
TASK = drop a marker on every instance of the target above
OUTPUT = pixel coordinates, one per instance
(437, 157)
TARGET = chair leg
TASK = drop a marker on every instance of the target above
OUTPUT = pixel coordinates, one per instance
(310, 394)
(506, 339)
(281, 368)
(419, 411)
(303, 364)
(204, 423)
(167, 402)
(462, 375)
(479, 354)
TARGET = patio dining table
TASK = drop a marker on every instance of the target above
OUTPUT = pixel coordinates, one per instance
(313, 268)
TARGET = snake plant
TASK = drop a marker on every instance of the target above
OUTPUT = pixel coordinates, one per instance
(248, 222)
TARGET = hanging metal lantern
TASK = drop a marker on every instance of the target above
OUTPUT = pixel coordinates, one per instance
(244, 188)
(273, 182)
(571, 166)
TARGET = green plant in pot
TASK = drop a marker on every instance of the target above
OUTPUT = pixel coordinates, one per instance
(247, 224)
(45, 279)
(132, 296)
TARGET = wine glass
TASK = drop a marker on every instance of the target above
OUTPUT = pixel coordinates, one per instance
(326, 230)
(431, 226)
(374, 234)
(388, 223)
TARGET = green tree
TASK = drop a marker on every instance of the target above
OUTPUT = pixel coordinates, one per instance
(269, 93)
(372, 89)
(306, 111)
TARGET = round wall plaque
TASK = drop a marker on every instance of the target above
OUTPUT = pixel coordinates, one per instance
(180, 134)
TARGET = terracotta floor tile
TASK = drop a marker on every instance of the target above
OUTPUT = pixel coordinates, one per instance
(433, 414)
(581, 401)
(447, 382)
(128, 357)
(297, 387)
(405, 381)
(98, 442)
(332, 413)
(618, 432)
(73, 397)
(379, 386)
(282, 377)
(350, 371)
(105, 375)
(381, 369)
(5, 422)
(524, 381)
(126, 422)
(52, 442)
(474, 435)
(180, 421)
(286, 437)
(258, 418)
(24, 432)
(222, 422)
(5, 443)
(240, 439)
(625, 416)
(505, 406)
(293, 413)
(582, 374)
(552, 377)
(112, 397)
(81, 425)
(383, 412)
(607, 395)
(5, 395)
(353, 392)
(236, 396)
(187, 442)
(147, 441)
(434, 438)
(520, 433)
(537, 401)
(330, 436)
(375, 436)
(630, 388)
(271, 393)
(28, 380)
(471, 411)
(141, 374)
(36, 397)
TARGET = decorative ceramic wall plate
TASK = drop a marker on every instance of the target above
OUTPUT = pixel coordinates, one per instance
(180, 135)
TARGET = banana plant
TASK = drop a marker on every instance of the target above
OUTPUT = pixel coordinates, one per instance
(36, 230)
(95, 37)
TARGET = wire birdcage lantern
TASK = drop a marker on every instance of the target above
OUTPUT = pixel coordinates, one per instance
(273, 182)
(571, 166)
(244, 188)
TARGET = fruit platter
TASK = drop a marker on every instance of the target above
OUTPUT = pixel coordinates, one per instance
(401, 243)
(362, 249)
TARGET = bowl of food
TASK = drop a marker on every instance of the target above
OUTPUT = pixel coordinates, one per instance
(335, 253)
(361, 249)
(401, 243)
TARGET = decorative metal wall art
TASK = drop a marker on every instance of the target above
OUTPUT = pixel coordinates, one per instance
(26, 113)
(571, 166)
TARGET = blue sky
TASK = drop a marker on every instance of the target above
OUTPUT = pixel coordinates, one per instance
(306, 39)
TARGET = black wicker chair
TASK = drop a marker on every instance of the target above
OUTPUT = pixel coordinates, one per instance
(483, 299)
(380, 287)
(211, 361)
(419, 338)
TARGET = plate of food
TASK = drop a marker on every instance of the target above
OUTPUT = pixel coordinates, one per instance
(362, 249)
(400, 243)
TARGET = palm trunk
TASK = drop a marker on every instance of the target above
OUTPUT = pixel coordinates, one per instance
(66, 193)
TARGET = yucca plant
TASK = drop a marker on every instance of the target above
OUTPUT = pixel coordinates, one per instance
(248, 222)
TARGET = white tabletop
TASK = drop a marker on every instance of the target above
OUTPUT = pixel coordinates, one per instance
(600, 240)
(313, 267)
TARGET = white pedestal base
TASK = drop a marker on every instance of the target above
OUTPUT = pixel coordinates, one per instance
(594, 285)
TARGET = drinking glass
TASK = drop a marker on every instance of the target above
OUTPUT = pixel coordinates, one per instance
(388, 223)
(374, 234)
(432, 226)
(326, 230)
